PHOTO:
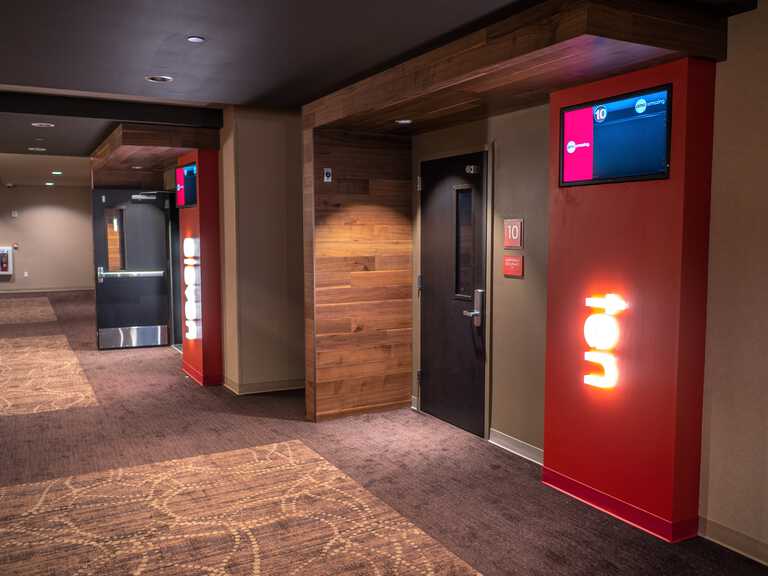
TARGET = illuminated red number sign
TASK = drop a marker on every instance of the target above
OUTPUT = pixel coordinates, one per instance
(513, 233)
(601, 331)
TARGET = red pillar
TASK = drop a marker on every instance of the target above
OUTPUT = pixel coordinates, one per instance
(202, 359)
(633, 450)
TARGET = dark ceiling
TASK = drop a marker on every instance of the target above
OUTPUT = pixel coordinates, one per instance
(70, 136)
(280, 53)
(274, 53)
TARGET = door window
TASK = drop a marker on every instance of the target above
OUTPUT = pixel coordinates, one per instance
(465, 244)
(113, 221)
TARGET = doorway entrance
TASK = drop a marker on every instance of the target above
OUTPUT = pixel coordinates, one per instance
(453, 348)
(133, 246)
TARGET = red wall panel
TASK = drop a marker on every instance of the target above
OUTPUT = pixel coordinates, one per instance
(202, 359)
(633, 450)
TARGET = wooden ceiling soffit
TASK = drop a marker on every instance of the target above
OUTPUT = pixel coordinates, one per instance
(518, 61)
(137, 155)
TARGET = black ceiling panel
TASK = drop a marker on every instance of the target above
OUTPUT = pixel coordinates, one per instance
(280, 53)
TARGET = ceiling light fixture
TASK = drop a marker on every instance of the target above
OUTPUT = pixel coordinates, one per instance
(43, 124)
(37, 149)
(404, 122)
(56, 173)
(158, 78)
(50, 183)
(195, 39)
(136, 167)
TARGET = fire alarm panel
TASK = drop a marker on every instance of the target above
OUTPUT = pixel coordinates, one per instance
(6, 260)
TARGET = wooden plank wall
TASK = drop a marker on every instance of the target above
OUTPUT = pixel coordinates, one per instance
(359, 315)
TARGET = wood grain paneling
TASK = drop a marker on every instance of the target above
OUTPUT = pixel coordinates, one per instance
(137, 155)
(358, 250)
(517, 62)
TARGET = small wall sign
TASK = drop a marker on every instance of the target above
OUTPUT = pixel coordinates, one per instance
(513, 233)
(513, 265)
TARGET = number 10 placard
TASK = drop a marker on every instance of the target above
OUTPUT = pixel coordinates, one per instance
(513, 233)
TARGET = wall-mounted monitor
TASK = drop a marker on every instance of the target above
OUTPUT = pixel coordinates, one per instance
(616, 140)
(186, 186)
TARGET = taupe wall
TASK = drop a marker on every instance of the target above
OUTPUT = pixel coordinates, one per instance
(229, 247)
(55, 238)
(521, 169)
(734, 483)
(518, 145)
(262, 250)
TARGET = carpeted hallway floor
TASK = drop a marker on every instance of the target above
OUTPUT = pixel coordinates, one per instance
(483, 505)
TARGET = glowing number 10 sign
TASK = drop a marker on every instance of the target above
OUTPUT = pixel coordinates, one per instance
(601, 331)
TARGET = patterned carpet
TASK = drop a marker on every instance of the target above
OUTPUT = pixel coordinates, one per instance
(26, 310)
(41, 374)
(279, 509)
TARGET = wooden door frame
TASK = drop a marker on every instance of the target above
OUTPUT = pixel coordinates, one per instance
(488, 149)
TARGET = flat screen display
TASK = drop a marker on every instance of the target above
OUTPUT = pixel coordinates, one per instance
(186, 186)
(616, 140)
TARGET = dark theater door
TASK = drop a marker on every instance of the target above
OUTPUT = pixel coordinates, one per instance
(453, 290)
(131, 238)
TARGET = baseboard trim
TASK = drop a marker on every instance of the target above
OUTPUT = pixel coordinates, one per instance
(648, 522)
(361, 410)
(247, 388)
(4, 290)
(192, 372)
(734, 540)
(517, 447)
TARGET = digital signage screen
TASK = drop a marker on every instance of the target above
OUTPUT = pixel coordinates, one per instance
(186, 186)
(616, 140)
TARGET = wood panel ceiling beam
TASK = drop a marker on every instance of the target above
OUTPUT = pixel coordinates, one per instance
(137, 155)
(647, 31)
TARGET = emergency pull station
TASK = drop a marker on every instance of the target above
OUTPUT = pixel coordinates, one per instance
(6, 260)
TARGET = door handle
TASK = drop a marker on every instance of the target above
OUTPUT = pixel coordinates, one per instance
(477, 314)
(100, 274)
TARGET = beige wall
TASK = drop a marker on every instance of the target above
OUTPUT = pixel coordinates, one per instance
(734, 482)
(229, 248)
(54, 233)
(262, 246)
(518, 142)
(521, 169)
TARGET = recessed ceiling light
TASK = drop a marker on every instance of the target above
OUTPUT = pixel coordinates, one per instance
(39, 139)
(158, 79)
(43, 124)
(56, 173)
(195, 39)
(136, 167)
(37, 149)
(404, 122)
(50, 183)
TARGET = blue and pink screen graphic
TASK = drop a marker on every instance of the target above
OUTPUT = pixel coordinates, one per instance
(623, 138)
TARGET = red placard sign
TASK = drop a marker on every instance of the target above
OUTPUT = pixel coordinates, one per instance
(513, 233)
(513, 265)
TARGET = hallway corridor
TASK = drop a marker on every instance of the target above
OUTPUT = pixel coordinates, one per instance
(137, 444)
